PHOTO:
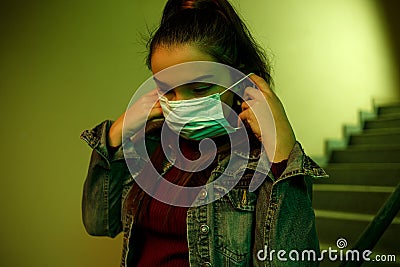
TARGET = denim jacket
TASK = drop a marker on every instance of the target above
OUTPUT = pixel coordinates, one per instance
(242, 228)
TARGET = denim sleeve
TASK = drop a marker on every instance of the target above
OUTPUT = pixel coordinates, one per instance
(301, 164)
(102, 191)
(285, 218)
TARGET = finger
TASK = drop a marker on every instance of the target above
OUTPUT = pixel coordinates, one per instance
(154, 92)
(244, 114)
(247, 116)
(156, 113)
(242, 118)
(252, 93)
(248, 119)
(151, 99)
(245, 105)
(157, 104)
(261, 84)
(148, 104)
(248, 104)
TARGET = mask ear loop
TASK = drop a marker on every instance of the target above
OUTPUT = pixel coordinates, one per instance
(236, 83)
(233, 85)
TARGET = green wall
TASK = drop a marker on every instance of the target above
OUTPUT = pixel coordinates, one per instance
(67, 65)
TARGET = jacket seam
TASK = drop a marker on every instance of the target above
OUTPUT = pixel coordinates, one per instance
(106, 203)
(270, 214)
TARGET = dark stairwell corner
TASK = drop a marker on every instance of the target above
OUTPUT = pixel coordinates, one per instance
(363, 175)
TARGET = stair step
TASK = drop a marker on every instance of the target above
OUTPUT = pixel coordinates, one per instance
(389, 109)
(392, 137)
(349, 216)
(333, 225)
(387, 121)
(392, 258)
(378, 174)
(367, 154)
(362, 177)
(382, 130)
(350, 198)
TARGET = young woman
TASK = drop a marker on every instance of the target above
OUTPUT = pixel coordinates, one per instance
(239, 227)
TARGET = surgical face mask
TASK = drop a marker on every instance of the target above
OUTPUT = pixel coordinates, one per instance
(197, 118)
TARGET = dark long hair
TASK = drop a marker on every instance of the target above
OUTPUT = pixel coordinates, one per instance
(213, 27)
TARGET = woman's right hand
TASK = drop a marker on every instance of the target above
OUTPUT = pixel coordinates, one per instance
(144, 109)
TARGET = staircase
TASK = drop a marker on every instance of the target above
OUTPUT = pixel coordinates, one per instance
(362, 176)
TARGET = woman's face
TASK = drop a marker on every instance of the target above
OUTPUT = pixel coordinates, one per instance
(164, 57)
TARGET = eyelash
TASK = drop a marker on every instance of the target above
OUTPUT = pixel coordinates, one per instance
(199, 90)
(202, 89)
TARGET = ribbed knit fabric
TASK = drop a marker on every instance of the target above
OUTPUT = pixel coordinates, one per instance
(164, 236)
(278, 168)
(164, 226)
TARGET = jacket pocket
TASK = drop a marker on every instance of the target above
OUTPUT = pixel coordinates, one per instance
(234, 227)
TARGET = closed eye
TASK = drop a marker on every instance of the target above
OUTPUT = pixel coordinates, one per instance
(202, 89)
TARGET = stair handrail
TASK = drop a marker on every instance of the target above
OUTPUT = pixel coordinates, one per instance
(375, 229)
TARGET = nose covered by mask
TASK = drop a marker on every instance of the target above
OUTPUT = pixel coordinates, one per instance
(197, 118)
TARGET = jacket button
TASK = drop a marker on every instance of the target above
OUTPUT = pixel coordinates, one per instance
(206, 264)
(204, 229)
(203, 194)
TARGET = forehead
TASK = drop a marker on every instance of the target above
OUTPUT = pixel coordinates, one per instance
(166, 56)
(183, 64)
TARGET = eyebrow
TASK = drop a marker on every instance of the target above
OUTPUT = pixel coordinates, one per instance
(198, 79)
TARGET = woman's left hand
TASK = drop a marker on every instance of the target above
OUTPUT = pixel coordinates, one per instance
(263, 110)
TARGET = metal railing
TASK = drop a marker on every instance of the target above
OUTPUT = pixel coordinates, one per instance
(377, 227)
